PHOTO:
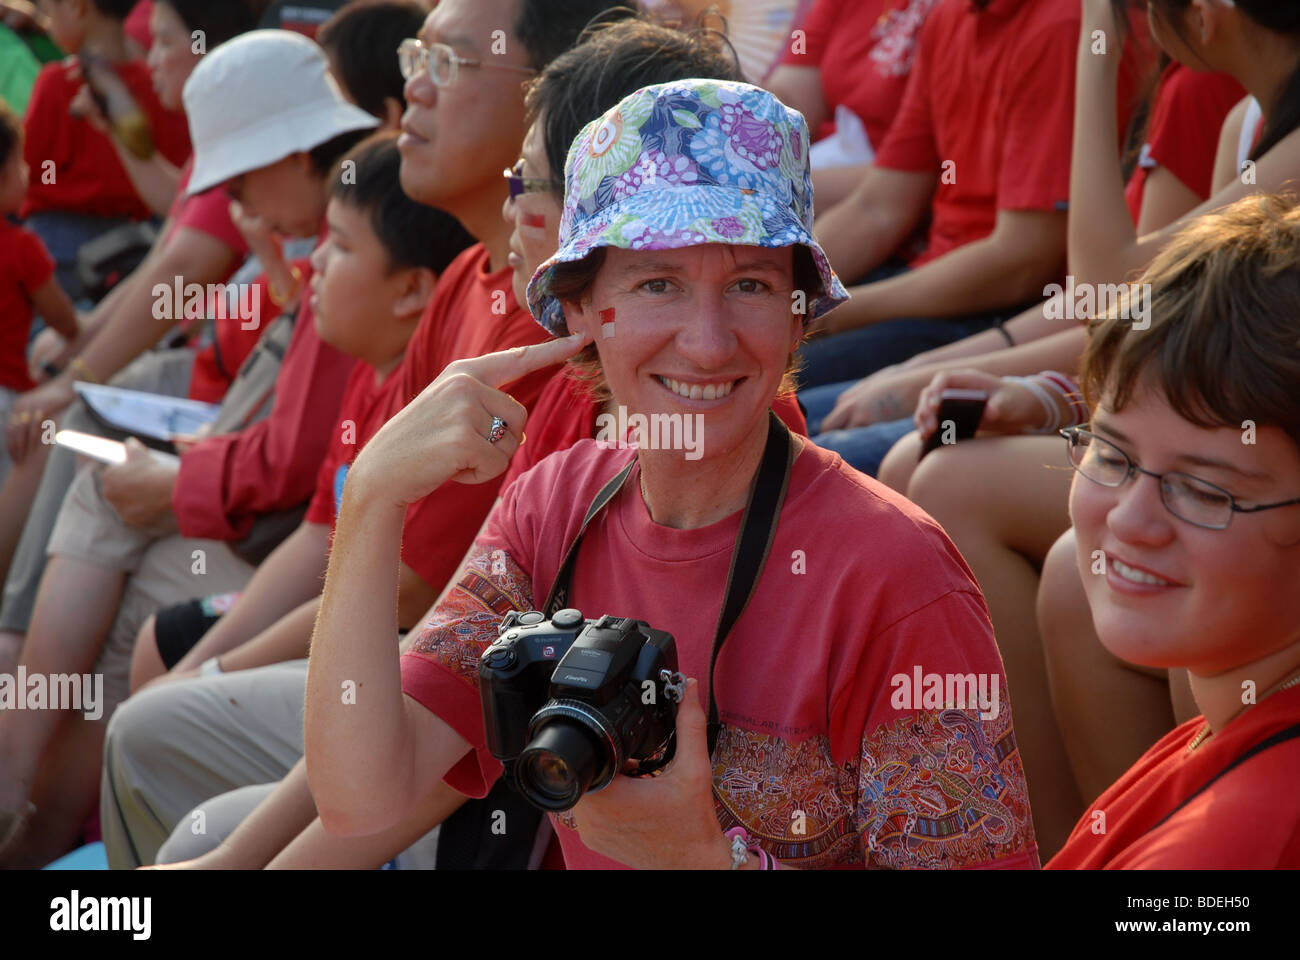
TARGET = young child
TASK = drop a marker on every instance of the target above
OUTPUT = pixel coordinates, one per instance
(372, 276)
(27, 283)
(78, 186)
(1186, 511)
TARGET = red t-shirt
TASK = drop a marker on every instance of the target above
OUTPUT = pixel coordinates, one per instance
(989, 107)
(472, 312)
(87, 175)
(25, 267)
(1183, 135)
(864, 49)
(226, 481)
(1248, 819)
(808, 681)
(361, 415)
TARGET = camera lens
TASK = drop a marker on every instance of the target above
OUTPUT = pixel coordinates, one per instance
(556, 768)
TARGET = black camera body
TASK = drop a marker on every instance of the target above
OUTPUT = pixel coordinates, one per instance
(568, 703)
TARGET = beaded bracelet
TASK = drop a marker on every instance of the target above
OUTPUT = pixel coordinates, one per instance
(742, 845)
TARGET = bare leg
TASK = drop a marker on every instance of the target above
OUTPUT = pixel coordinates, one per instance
(1109, 712)
(65, 637)
(16, 498)
(900, 462)
(146, 661)
(1003, 507)
(64, 795)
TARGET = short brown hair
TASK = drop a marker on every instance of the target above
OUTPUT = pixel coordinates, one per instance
(572, 282)
(1223, 344)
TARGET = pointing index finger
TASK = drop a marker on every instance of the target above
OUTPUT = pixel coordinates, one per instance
(497, 369)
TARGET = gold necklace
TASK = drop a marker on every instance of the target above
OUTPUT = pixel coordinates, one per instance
(1205, 732)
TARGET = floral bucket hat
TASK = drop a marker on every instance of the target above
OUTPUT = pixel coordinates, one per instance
(682, 164)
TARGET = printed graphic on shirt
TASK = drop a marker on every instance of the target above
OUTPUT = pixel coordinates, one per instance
(895, 34)
(490, 585)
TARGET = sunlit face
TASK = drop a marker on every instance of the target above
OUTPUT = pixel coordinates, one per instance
(13, 181)
(456, 140)
(285, 194)
(1224, 598)
(171, 57)
(66, 28)
(534, 216)
(352, 283)
(706, 329)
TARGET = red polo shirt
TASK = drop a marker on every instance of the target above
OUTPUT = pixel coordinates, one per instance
(87, 177)
(990, 107)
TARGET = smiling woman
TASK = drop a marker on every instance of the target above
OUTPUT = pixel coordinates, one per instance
(692, 201)
(1186, 510)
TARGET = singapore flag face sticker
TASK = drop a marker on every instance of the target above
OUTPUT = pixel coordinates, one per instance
(607, 322)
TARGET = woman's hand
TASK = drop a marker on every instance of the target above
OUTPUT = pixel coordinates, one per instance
(257, 234)
(443, 433)
(662, 822)
(85, 106)
(888, 394)
(1012, 407)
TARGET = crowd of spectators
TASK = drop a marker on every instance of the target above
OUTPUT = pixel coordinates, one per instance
(421, 233)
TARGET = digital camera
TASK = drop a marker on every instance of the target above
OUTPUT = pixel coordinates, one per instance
(569, 702)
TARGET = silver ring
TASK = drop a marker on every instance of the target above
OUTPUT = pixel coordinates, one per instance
(498, 430)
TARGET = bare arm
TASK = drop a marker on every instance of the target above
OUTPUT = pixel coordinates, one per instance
(832, 185)
(155, 180)
(1011, 265)
(860, 233)
(56, 308)
(801, 88)
(1225, 157)
(288, 577)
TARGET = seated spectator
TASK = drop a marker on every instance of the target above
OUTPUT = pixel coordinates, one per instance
(117, 540)
(1182, 566)
(472, 312)
(1006, 525)
(78, 188)
(27, 282)
(992, 171)
(676, 514)
(199, 244)
(845, 70)
(1172, 174)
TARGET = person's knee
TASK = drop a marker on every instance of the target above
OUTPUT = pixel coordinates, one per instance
(1061, 597)
(901, 462)
(146, 661)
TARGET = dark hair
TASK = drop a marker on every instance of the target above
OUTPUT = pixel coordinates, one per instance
(325, 155)
(361, 41)
(412, 234)
(1222, 344)
(114, 9)
(1278, 16)
(547, 28)
(11, 133)
(612, 61)
(220, 20)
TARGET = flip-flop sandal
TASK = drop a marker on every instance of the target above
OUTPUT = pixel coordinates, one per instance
(12, 823)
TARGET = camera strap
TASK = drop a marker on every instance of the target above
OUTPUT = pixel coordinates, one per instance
(753, 543)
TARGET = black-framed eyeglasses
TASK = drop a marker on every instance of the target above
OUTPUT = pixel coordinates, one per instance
(1188, 498)
(441, 62)
(521, 184)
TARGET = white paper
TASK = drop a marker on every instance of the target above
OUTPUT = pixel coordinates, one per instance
(144, 414)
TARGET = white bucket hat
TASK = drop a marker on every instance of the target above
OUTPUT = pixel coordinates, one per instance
(258, 98)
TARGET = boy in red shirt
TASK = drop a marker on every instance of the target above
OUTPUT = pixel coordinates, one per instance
(27, 283)
(79, 187)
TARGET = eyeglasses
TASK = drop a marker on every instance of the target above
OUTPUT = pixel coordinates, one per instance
(1188, 498)
(441, 62)
(521, 184)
